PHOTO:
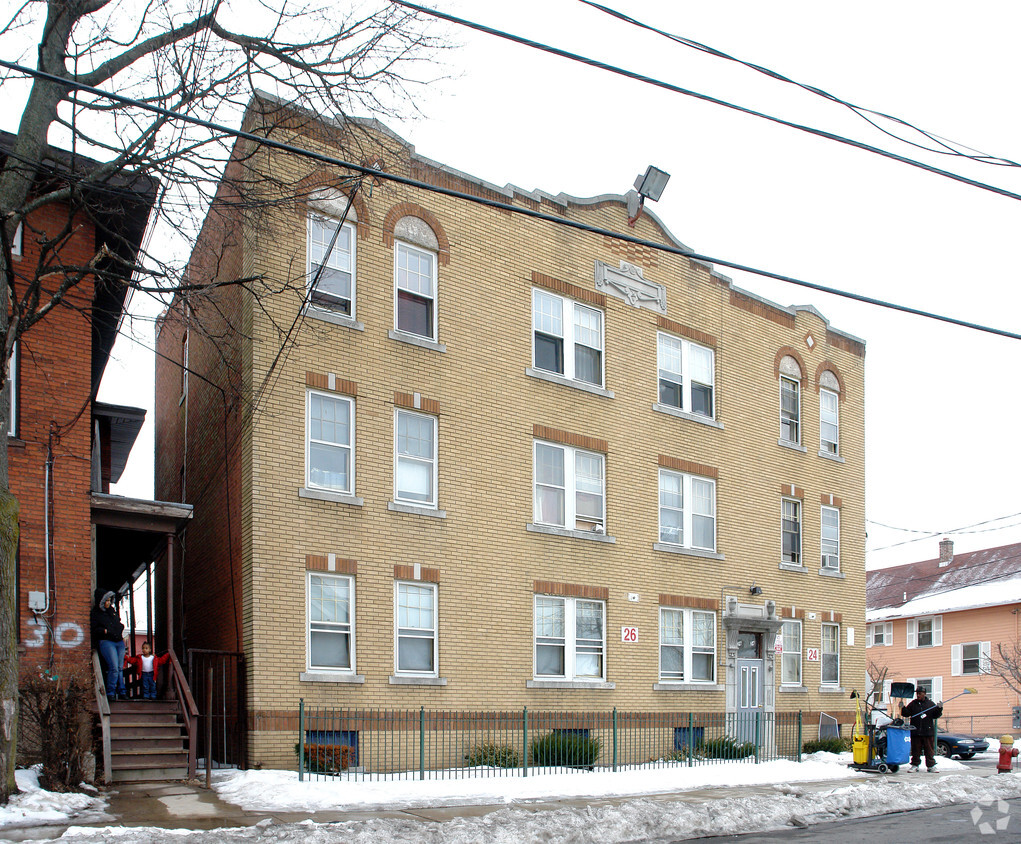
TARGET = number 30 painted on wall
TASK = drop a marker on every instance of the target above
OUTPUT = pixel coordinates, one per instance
(67, 634)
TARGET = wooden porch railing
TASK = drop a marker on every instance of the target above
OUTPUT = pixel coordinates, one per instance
(189, 710)
(103, 705)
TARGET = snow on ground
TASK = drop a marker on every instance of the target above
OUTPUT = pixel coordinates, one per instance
(34, 806)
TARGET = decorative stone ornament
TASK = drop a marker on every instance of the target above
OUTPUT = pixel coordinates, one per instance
(627, 283)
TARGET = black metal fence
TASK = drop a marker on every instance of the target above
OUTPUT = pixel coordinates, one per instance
(217, 680)
(387, 744)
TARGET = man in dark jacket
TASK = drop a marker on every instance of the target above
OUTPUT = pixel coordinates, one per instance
(108, 637)
(922, 713)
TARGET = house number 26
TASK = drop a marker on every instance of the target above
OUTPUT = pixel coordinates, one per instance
(629, 634)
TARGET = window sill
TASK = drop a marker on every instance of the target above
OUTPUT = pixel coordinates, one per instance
(396, 680)
(553, 378)
(832, 573)
(667, 686)
(792, 567)
(14, 442)
(836, 458)
(687, 552)
(416, 510)
(415, 340)
(791, 690)
(570, 684)
(572, 534)
(330, 677)
(325, 315)
(326, 495)
(792, 446)
(831, 690)
(683, 414)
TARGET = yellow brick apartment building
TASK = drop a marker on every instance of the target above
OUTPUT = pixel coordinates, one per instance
(444, 455)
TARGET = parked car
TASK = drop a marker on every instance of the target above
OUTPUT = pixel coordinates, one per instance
(954, 744)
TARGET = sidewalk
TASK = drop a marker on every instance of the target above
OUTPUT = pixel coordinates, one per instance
(191, 806)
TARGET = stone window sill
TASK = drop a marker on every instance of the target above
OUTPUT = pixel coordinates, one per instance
(416, 510)
(415, 340)
(590, 535)
(836, 458)
(792, 567)
(792, 446)
(324, 315)
(832, 573)
(327, 495)
(792, 690)
(588, 685)
(553, 378)
(683, 414)
(417, 681)
(330, 677)
(831, 690)
(687, 687)
(688, 552)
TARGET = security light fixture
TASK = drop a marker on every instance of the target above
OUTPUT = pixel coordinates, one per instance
(647, 186)
(755, 590)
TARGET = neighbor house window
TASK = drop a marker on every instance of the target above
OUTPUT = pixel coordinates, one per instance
(416, 290)
(330, 622)
(790, 411)
(330, 442)
(687, 510)
(879, 634)
(790, 527)
(685, 375)
(687, 645)
(569, 487)
(830, 527)
(829, 654)
(570, 641)
(568, 338)
(829, 422)
(925, 632)
(184, 361)
(334, 266)
(16, 243)
(12, 392)
(790, 658)
(933, 686)
(416, 628)
(970, 658)
(415, 449)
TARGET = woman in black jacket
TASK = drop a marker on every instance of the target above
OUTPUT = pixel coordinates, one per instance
(108, 637)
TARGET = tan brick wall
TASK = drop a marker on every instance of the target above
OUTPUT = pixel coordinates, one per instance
(488, 564)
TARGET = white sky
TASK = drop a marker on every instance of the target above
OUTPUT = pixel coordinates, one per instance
(941, 400)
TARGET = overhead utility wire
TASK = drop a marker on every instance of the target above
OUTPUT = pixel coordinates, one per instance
(709, 99)
(949, 147)
(503, 206)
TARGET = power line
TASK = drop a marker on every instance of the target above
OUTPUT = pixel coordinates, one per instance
(659, 83)
(504, 206)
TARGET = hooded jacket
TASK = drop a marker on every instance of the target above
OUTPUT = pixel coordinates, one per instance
(106, 623)
(922, 714)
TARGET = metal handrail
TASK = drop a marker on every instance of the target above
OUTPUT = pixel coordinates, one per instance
(103, 705)
(189, 709)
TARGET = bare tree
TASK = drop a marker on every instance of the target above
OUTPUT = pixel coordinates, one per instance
(1005, 663)
(201, 58)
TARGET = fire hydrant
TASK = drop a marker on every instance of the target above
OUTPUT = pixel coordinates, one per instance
(1007, 754)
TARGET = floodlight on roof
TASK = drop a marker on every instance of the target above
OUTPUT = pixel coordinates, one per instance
(648, 185)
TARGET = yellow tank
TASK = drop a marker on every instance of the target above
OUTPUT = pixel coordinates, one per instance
(860, 749)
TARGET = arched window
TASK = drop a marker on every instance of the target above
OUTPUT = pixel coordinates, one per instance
(331, 252)
(415, 277)
(790, 401)
(829, 414)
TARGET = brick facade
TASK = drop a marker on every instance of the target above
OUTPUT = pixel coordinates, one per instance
(240, 444)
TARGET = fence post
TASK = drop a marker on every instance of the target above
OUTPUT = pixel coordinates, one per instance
(758, 736)
(524, 742)
(799, 735)
(615, 739)
(421, 743)
(301, 739)
(691, 739)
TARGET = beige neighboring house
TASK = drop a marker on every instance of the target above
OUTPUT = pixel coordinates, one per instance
(501, 462)
(937, 622)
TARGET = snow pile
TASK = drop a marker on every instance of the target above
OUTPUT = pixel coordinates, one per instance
(34, 806)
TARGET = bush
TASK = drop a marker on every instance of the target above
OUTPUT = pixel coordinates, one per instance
(56, 729)
(724, 747)
(493, 756)
(325, 758)
(569, 749)
(829, 745)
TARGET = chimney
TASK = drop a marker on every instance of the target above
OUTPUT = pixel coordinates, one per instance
(946, 552)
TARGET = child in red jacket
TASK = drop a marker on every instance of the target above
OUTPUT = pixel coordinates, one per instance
(149, 666)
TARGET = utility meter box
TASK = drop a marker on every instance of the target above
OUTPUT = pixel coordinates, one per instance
(1015, 712)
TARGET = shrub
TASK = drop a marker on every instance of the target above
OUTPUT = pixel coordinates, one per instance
(56, 729)
(830, 745)
(493, 756)
(725, 747)
(326, 758)
(569, 749)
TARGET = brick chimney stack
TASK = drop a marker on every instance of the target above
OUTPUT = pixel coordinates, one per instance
(946, 552)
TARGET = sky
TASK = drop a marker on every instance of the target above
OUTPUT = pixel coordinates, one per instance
(941, 400)
(819, 789)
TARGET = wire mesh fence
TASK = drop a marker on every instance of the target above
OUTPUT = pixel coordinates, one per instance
(979, 725)
(387, 744)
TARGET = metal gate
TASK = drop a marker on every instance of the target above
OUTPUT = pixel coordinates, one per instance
(217, 680)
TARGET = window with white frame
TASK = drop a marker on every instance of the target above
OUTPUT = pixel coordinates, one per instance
(415, 455)
(330, 442)
(790, 657)
(12, 392)
(829, 422)
(790, 528)
(415, 271)
(570, 639)
(790, 410)
(330, 622)
(568, 337)
(830, 539)
(933, 686)
(687, 645)
(970, 658)
(569, 487)
(925, 632)
(416, 628)
(686, 375)
(879, 634)
(334, 266)
(687, 510)
(829, 654)
(16, 243)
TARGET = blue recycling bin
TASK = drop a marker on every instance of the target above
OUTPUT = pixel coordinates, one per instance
(898, 745)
